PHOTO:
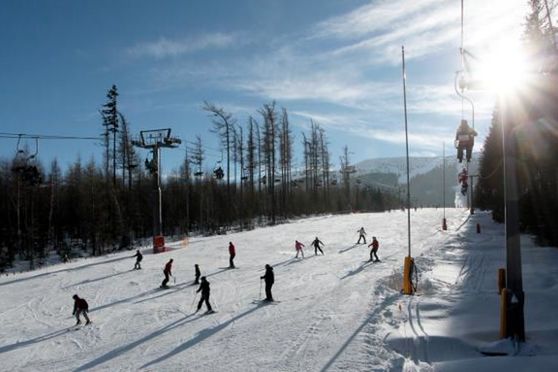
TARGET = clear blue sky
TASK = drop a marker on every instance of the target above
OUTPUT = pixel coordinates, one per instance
(337, 62)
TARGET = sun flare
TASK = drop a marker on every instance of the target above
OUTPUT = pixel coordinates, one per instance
(504, 69)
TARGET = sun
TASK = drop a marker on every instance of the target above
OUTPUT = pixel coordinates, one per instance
(504, 69)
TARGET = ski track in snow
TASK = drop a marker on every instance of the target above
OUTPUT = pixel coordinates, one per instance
(331, 315)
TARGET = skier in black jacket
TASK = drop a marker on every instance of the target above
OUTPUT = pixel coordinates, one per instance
(138, 257)
(316, 243)
(80, 307)
(269, 278)
(204, 288)
(198, 274)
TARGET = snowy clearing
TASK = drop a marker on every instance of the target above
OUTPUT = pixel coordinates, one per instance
(333, 312)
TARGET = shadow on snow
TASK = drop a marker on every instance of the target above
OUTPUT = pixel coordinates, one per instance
(201, 336)
(372, 317)
(357, 270)
(65, 270)
(17, 345)
(124, 349)
(349, 248)
(87, 281)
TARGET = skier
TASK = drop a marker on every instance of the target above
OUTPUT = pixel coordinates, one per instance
(138, 257)
(232, 253)
(316, 243)
(204, 288)
(168, 273)
(375, 245)
(464, 140)
(197, 269)
(80, 307)
(362, 235)
(269, 279)
(299, 246)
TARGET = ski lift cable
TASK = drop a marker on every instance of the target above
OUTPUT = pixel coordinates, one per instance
(462, 71)
(493, 172)
(44, 136)
(462, 60)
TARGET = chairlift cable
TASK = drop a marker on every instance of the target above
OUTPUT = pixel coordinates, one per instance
(44, 136)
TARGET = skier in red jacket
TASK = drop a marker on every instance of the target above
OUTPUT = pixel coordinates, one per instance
(299, 246)
(232, 253)
(168, 273)
(80, 307)
(375, 245)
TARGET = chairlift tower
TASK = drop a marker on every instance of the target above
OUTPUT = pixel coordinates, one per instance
(515, 299)
(154, 140)
(409, 263)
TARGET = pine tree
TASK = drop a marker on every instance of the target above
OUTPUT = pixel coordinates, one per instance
(110, 122)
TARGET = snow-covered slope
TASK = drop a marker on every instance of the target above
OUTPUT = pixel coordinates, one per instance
(334, 312)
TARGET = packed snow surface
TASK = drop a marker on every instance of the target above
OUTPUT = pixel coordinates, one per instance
(335, 312)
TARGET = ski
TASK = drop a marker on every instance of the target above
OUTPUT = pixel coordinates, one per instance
(265, 302)
(77, 327)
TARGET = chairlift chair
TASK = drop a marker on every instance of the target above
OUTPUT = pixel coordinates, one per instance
(219, 173)
(29, 172)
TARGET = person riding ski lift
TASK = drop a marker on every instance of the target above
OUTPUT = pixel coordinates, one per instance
(464, 188)
(465, 140)
(219, 173)
(462, 178)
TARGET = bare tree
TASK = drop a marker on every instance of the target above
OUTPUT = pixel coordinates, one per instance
(285, 158)
(270, 124)
(223, 125)
(325, 163)
(251, 154)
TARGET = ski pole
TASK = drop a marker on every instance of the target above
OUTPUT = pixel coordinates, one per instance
(193, 301)
(174, 278)
(260, 289)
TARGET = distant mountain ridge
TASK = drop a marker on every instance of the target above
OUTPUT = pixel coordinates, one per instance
(417, 166)
(426, 176)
